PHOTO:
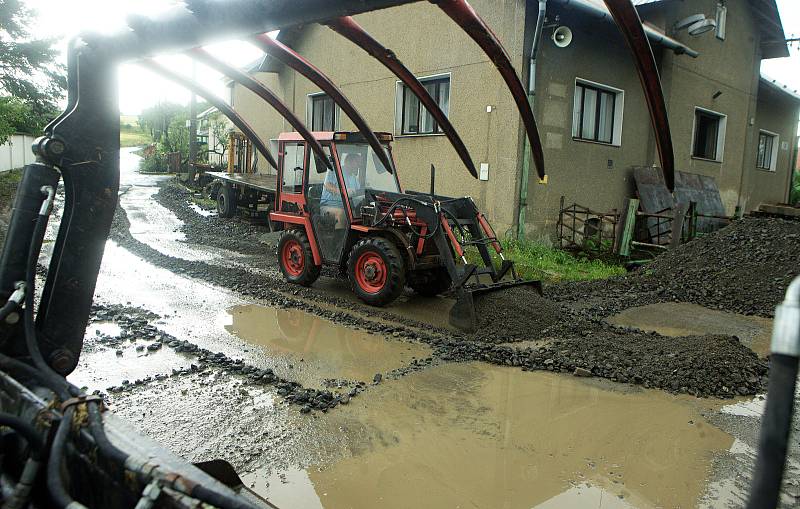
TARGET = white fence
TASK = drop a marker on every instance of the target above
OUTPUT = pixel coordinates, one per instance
(16, 152)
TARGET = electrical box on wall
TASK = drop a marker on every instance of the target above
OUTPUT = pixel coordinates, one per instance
(484, 172)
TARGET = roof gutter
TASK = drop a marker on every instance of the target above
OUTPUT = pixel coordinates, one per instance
(654, 35)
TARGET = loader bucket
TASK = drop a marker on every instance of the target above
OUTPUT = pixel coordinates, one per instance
(464, 314)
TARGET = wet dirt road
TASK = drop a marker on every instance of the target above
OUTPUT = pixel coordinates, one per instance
(443, 435)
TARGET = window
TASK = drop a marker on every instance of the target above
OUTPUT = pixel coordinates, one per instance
(413, 118)
(323, 113)
(767, 151)
(293, 162)
(232, 90)
(709, 135)
(597, 113)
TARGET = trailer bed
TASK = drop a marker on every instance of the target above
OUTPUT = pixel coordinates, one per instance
(266, 183)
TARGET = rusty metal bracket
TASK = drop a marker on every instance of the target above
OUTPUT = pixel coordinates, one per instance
(79, 400)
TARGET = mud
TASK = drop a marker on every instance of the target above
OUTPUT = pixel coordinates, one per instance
(464, 423)
(684, 365)
(319, 350)
(471, 435)
(684, 319)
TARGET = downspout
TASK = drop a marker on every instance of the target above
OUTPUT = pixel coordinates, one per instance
(526, 158)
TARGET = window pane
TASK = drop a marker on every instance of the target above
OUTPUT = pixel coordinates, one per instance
(577, 106)
(762, 149)
(707, 132)
(606, 126)
(410, 112)
(426, 122)
(444, 97)
(588, 131)
(293, 155)
(327, 122)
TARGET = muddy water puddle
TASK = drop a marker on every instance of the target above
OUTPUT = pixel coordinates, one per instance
(684, 319)
(317, 349)
(473, 435)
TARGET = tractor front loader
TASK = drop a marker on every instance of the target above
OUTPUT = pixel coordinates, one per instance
(439, 232)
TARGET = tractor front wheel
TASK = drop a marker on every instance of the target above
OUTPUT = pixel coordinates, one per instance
(296, 259)
(376, 270)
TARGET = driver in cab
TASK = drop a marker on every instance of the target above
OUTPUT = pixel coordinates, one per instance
(331, 199)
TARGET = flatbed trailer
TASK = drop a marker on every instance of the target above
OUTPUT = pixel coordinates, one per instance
(254, 192)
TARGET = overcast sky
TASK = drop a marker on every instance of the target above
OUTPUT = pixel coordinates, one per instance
(139, 88)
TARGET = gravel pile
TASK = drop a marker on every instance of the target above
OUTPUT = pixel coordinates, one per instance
(516, 314)
(237, 234)
(743, 268)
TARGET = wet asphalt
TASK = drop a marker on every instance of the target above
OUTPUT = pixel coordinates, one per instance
(446, 434)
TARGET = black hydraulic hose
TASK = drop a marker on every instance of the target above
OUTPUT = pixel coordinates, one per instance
(776, 423)
(107, 449)
(55, 380)
(26, 430)
(775, 428)
(55, 484)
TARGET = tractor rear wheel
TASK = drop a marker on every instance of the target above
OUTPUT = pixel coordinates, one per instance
(226, 201)
(376, 270)
(296, 259)
(430, 283)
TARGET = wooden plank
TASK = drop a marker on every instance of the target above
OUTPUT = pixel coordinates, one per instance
(627, 226)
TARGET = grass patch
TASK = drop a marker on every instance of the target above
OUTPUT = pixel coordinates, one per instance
(133, 137)
(535, 260)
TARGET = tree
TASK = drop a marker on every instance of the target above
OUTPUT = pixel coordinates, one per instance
(31, 81)
(157, 119)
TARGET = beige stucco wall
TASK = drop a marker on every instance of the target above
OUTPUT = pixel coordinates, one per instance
(579, 170)
(429, 43)
(731, 67)
(776, 113)
(266, 122)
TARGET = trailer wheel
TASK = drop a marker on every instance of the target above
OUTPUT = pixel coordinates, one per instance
(376, 270)
(226, 201)
(295, 258)
(430, 283)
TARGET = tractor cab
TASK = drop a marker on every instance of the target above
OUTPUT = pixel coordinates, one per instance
(330, 196)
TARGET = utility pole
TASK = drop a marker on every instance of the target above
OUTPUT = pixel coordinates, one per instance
(193, 128)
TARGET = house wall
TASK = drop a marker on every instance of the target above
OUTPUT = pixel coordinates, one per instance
(731, 67)
(776, 113)
(579, 170)
(595, 175)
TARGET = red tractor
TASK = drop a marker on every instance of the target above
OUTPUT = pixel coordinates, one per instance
(352, 213)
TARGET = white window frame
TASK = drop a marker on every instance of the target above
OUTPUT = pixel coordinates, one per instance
(398, 104)
(232, 94)
(337, 112)
(723, 126)
(619, 112)
(773, 158)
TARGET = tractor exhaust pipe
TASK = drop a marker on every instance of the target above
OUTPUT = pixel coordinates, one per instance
(222, 106)
(289, 57)
(268, 96)
(352, 31)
